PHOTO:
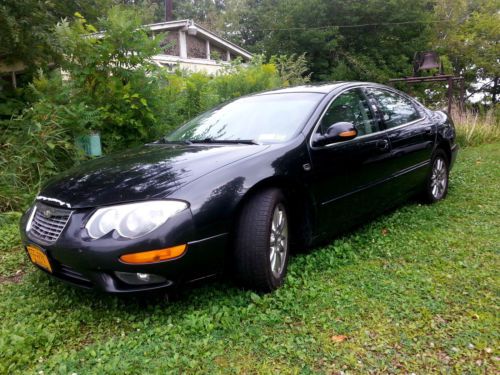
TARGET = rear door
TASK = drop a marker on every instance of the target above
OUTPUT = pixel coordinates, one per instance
(411, 135)
(345, 176)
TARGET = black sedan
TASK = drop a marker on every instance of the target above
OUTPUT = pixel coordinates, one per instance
(238, 187)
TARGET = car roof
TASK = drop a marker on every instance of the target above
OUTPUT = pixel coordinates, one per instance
(322, 88)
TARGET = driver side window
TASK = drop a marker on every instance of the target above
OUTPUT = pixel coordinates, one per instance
(350, 106)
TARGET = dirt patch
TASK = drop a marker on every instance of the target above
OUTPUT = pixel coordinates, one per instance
(16, 278)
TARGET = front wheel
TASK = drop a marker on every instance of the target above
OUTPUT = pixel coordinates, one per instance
(262, 242)
(437, 181)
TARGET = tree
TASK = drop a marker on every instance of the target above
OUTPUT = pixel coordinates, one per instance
(369, 40)
(26, 28)
(469, 38)
(25, 32)
(112, 71)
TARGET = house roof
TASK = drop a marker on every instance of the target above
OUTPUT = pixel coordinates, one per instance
(173, 25)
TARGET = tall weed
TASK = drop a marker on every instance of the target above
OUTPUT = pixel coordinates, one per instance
(40, 142)
(30, 154)
(476, 127)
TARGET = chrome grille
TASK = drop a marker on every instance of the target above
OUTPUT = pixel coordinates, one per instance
(48, 222)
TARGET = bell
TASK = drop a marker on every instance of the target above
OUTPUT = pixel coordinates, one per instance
(425, 61)
(430, 61)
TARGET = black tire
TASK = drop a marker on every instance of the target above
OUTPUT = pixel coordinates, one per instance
(436, 183)
(254, 246)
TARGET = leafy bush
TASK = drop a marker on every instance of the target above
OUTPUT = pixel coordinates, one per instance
(29, 154)
(111, 72)
(39, 142)
(109, 85)
(184, 95)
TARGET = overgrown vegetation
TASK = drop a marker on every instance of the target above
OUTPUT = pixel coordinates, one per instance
(110, 86)
(415, 291)
(476, 127)
(370, 40)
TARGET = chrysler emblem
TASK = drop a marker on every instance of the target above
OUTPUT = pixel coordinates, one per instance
(47, 214)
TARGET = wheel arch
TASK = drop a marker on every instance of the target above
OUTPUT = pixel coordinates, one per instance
(300, 204)
(446, 134)
(444, 144)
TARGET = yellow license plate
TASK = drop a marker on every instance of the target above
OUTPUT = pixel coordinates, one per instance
(38, 257)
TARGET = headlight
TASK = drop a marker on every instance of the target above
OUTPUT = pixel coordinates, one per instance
(132, 220)
(30, 219)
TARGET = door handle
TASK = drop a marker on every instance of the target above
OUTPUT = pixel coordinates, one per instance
(428, 130)
(382, 144)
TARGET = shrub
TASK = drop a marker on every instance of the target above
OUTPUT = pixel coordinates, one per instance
(29, 154)
(111, 72)
(40, 142)
(112, 87)
(184, 95)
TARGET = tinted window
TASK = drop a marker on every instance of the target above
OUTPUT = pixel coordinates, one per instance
(350, 106)
(270, 118)
(396, 109)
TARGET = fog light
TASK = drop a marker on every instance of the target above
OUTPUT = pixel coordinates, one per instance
(140, 278)
(143, 276)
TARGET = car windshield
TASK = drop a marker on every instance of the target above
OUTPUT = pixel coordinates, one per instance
(269, 118)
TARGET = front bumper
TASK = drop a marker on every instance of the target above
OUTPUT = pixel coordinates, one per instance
(87, 263)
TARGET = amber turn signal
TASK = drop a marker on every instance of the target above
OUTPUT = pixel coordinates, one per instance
(154, 256)
(350, 133)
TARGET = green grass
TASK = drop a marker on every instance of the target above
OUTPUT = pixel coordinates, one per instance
(414, 291)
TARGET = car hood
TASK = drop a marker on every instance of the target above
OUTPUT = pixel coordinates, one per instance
(148, 172)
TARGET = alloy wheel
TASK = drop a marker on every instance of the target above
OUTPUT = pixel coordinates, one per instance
(278, 240)
(439, 178)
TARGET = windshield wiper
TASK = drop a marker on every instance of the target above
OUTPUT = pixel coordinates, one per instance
(167, 141)
(226, 141)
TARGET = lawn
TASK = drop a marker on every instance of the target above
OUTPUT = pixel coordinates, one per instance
(415, 291)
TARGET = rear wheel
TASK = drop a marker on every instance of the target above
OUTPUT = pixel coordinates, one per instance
(262, 242)
(437, 181)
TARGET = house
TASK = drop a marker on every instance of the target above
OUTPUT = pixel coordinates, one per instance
(187, 46)
(192, 47)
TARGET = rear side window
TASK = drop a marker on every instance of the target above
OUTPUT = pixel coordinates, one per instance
(396, 109)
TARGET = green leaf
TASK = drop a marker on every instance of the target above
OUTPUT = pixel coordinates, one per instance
(255, 298)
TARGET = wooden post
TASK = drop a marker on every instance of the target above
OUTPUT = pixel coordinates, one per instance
(169, 10)
(14, 80)
(462, 95)
(183, 54)
(450, 94)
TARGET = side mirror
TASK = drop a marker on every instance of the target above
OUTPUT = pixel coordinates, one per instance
(338, 132)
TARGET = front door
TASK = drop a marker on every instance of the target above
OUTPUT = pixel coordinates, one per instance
(346, 176)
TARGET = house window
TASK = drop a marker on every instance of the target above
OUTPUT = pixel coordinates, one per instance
(196, 47)
(217, 53)
(171, 44)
